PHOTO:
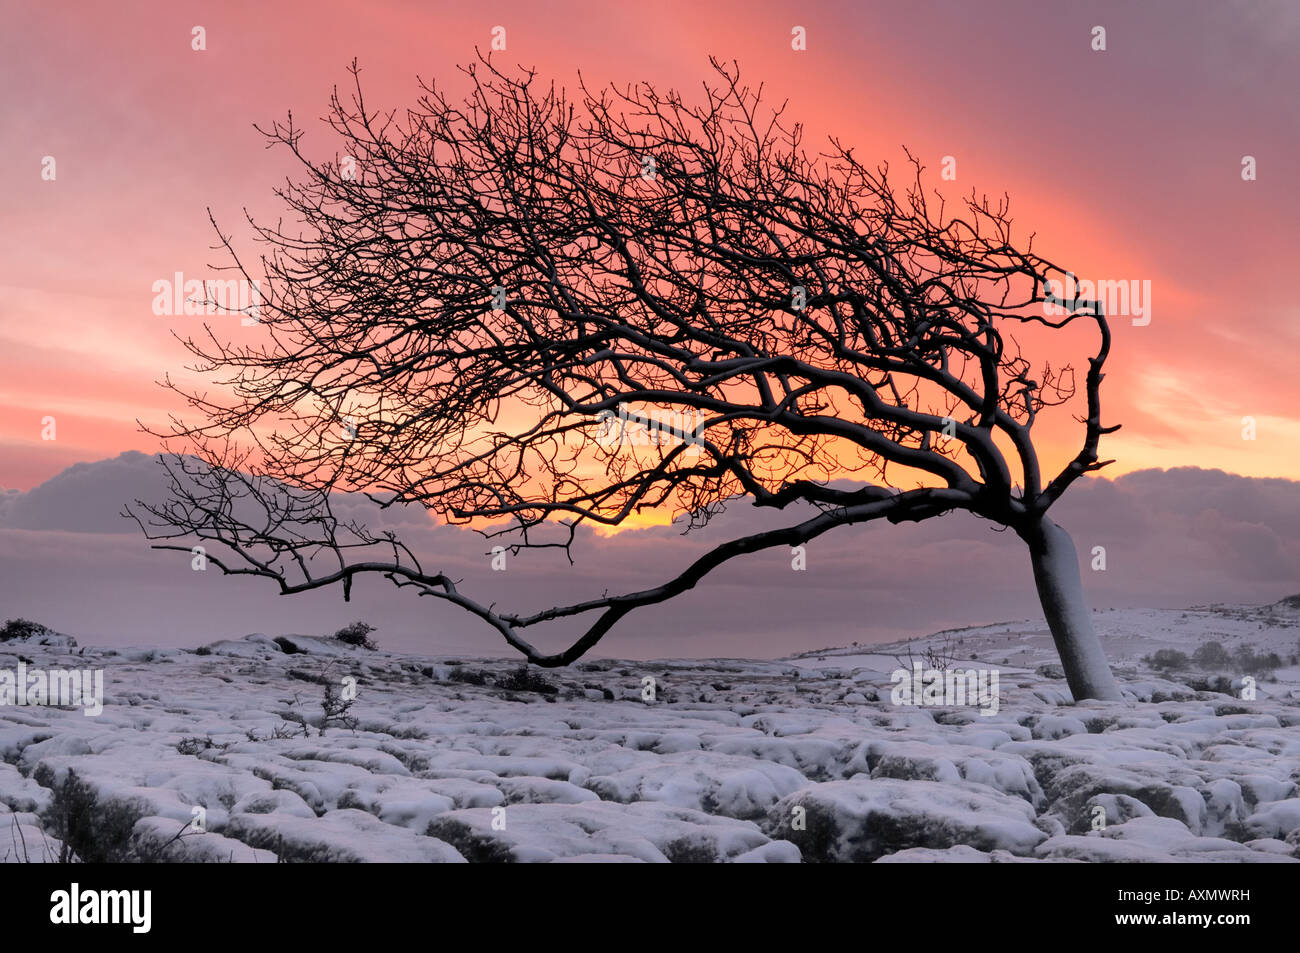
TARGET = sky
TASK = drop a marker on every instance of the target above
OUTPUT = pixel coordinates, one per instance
(1126, 164)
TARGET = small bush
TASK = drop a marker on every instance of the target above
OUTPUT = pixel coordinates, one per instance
(314, 677)
(1252, 663)
(938, 656)
(1263, 663)
(1211, 655)
(475, 846)
(358, 634)
(1212, 683)
(22, 629)
(468, 676)
(91, 832)
(1168, 659)
(524, 679)
(336, 708)
(193, 745)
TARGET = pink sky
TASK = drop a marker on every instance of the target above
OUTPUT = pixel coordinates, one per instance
(1126, 163)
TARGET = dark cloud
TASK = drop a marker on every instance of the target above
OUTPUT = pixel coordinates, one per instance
(1172, 538)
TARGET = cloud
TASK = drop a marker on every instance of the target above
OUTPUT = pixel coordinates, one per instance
(1171, 538)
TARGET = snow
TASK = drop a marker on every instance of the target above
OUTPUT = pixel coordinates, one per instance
(644, 830)
(739, 761)
(865, 817)
(22, 841)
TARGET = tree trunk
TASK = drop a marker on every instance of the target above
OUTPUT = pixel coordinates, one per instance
(1060, 590)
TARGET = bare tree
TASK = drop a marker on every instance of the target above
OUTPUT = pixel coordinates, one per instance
(474, 291)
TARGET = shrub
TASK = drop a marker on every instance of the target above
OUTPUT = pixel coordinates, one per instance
(1168, 659)
(194, 745)
(286, 646)
(1212, 683)
(22, 629)
(336, 707)
(358, 633)
(1253, 664)
(1211, 655)
(92, 832)
(524, 679)
(468, 676)
(1263, 663)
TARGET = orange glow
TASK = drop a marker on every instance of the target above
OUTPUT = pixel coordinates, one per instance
(1109, 167)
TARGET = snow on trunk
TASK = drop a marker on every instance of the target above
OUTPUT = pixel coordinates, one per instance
(1060, 590)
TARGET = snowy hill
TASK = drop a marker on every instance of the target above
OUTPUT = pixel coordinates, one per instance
(219, 754)
(1130, 636)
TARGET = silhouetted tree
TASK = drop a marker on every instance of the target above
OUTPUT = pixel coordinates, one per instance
(475, 296)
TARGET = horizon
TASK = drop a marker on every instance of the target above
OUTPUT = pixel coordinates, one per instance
(1135, 516)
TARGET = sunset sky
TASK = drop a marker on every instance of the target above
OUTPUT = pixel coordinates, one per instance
(1126, 163)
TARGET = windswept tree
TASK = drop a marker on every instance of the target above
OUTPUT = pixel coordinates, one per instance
(478, 301)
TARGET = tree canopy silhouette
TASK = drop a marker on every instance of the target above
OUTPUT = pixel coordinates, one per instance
(473, 289)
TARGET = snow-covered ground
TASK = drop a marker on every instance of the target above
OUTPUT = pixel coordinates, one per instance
(218, 755)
